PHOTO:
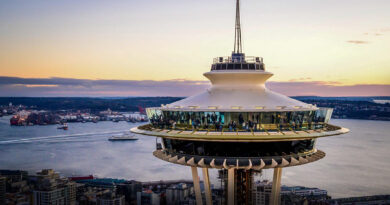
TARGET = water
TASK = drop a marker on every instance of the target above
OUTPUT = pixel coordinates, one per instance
(356, 164)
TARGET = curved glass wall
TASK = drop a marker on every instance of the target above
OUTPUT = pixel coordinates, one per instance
(237, 149)
(237, 66)
(239, 121)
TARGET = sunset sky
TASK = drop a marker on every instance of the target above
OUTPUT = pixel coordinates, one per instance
(155, 47)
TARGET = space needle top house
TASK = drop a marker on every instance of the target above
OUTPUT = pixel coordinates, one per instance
(238, 125)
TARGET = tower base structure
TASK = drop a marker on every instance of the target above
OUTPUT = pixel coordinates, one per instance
(240, 126)
(238, 173)
(238, 186)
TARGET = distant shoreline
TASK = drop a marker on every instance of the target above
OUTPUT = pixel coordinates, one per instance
(366, 108)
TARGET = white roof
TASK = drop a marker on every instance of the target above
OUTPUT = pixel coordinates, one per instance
(239, 90)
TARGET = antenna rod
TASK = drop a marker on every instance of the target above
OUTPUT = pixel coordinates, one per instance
(237, 35)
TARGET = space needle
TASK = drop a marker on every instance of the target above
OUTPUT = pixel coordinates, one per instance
(240, 126)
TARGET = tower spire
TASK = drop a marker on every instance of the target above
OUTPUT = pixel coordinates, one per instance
(237, 35)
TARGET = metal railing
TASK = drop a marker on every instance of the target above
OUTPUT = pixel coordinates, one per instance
(238, 59)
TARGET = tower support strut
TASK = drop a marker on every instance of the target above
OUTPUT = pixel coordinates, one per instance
(207, 189)
(231, 189)
(275, 194)
(198, 193)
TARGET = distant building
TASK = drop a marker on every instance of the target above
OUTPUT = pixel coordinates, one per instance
(364, 200)
(176, 194)
(106, 183)
(55, 196)
(303, 191)
(110, 199)
(88, 195)
(14, 175)
(16, 186)
(148, 198)
(2, 190)
(262, 192)
(51, 189)
(63, 195)
(129, 190)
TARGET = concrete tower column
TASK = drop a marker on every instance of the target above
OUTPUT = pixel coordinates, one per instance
(275, 194)
(207, 189)
(198, 193)
(231, 191)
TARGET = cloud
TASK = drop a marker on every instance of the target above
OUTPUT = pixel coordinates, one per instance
(300, 79)
(55, 87)
(377, 32)
(373, 34)
(385, 29)
(357, 42)
(15, 86)
(328, 89)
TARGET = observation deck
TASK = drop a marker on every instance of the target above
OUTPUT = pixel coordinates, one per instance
(238, 62)
(267, 132)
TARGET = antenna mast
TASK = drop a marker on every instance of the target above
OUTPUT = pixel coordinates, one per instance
(237, 35)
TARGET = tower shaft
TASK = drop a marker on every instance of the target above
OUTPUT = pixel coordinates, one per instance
(237, 35)
(238, 184)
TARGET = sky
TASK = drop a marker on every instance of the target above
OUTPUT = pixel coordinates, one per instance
(158, 48)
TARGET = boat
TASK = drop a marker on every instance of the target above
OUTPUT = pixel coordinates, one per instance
(63, 126)
(123, 138)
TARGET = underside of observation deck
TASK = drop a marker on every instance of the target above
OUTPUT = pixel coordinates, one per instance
(255, 163)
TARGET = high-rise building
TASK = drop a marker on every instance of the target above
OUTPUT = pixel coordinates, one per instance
(147, 197)
(64, 194)
(178, 193)
(304, 191)
(129, 190)
(14, 175)
(110, 199)
(2, 190)
(261, 193)
(238, 125)
(54, 196)
(51, 189)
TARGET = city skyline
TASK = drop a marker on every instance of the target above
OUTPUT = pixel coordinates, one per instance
(63, 48)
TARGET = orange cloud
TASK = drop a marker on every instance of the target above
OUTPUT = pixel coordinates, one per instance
(358, 42)
(58, 87)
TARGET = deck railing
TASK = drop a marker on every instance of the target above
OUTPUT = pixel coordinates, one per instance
(238, 59)
(239, 128)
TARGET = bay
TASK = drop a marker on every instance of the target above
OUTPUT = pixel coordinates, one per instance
(356, 164)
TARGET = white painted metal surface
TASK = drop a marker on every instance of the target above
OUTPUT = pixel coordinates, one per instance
(239, 90)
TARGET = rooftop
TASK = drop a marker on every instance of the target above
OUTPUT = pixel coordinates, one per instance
(239, 90)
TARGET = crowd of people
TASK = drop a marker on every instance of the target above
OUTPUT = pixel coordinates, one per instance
(219, 121)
